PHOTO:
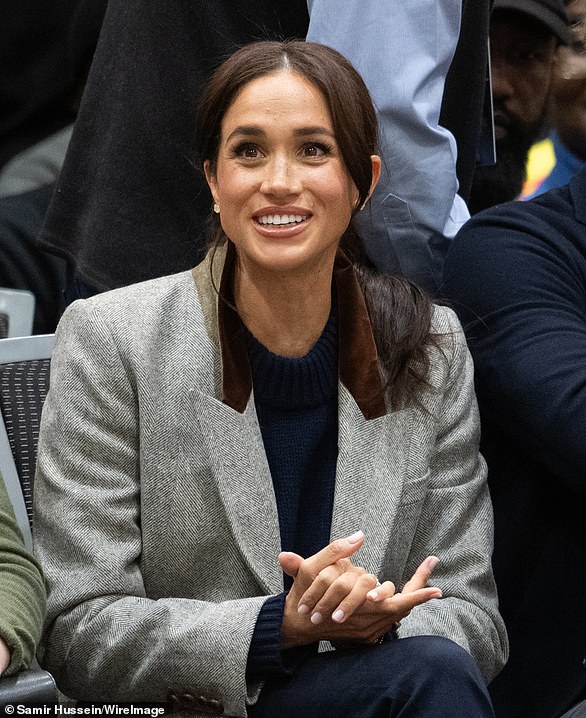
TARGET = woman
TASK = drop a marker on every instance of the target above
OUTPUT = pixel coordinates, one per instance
(22, 594)
(217, 417)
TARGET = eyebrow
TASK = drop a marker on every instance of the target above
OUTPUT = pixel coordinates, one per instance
(254, 131)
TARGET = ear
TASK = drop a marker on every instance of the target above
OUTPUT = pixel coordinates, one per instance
(376, 167)
(211, 180)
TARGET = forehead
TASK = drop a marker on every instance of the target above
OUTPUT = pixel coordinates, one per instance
(281, 98)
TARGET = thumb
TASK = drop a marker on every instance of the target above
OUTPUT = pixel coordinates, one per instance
(290, 562)
(421, 575)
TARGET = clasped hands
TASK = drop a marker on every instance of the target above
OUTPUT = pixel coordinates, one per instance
(333, 600)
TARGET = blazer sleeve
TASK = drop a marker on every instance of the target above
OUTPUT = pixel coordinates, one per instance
(105, 638)
(456, 522)
(22, 591)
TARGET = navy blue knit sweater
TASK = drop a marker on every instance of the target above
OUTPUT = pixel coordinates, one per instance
(297, 406)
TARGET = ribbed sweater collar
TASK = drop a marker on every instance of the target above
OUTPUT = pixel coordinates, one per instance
(299, 383)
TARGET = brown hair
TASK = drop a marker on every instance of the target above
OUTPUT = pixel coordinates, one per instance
(400, 313)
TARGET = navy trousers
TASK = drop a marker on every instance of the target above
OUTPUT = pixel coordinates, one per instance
(421, 677)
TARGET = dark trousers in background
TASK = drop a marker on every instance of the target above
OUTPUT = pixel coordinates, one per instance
(421, 677)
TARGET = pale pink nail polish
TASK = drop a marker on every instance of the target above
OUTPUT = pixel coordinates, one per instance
(355, 537)
(432, 562)
(338, 615)
(303, 609)
(316, 618)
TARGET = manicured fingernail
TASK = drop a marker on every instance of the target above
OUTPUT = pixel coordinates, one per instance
(303, 609)
(355, 537)
(372, 594)
(338, 615)
(432, 562)
(315, 618)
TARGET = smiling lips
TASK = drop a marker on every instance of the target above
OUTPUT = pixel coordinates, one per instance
(281, 224)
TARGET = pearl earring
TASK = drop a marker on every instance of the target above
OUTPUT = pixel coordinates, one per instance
(216, 208)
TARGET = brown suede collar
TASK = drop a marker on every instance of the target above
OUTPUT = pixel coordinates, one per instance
(357, 353)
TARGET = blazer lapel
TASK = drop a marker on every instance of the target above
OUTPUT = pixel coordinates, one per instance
(239, 465)
(370, 477)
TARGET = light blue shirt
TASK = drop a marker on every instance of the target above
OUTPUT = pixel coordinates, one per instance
(403, 49)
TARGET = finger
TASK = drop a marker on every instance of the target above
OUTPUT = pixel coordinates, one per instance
(332, 597)
(290, 562)
(382, 591)
(352, 601)
(336, 550)
(322, 582)
(421, 575)
(401, 604)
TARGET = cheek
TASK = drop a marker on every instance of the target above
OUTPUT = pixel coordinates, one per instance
(233, 185)
(569, 92)
(339, 190)
(532, 103)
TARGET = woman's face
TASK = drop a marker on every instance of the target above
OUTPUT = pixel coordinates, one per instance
(284, 194)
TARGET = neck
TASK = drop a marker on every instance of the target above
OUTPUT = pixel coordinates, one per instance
(287, 312)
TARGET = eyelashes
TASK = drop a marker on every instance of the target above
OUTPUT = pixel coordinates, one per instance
(247, 150)
(318, 149)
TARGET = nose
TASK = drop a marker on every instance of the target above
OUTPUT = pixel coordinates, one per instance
(501, 72)
(281, 177)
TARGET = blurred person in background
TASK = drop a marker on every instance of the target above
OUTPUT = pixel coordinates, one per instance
(524, 40)
(567, 107)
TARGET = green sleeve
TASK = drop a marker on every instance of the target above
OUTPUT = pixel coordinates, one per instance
(23, 594)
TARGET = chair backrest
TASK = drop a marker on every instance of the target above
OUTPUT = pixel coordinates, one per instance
(17, 309)
(24, 382)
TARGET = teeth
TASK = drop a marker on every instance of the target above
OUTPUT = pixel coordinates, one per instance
(282, 218)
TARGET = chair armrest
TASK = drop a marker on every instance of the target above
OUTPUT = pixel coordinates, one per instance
(35, 686)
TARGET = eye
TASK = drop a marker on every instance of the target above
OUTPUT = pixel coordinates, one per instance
(530, 56)
(578, 32)
(316, 149)
(247, 150)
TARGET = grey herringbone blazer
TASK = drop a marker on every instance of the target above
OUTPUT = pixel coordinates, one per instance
(156, 521)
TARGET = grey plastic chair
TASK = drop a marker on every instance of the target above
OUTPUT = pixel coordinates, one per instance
(17, 310)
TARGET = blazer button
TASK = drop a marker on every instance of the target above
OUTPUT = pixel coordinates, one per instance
(188, 700)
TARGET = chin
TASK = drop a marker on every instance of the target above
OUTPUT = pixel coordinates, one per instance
(289, 259)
